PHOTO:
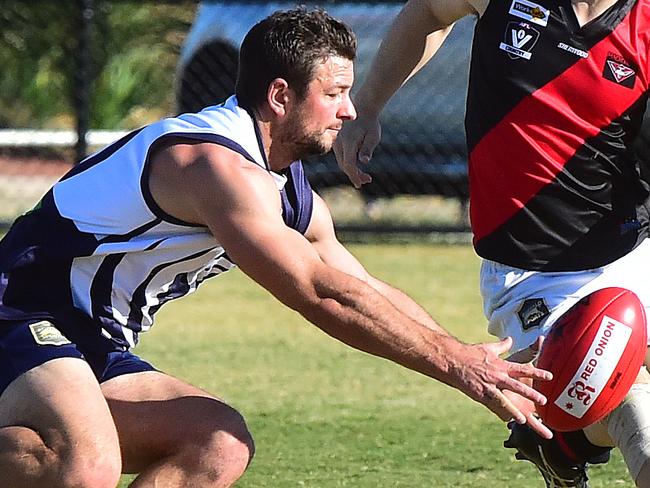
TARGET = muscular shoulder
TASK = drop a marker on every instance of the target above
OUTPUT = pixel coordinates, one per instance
(182, 172)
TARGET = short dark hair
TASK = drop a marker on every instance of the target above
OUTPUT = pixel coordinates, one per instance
(287, 45)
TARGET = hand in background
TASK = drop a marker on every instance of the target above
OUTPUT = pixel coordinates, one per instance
(354, 147)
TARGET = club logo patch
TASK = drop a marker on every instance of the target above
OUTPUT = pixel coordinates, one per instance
(532, 312)
(530, 11)
(519, 40)
(618, 70)
(46, 334)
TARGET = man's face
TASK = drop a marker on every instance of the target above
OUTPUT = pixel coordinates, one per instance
(314, 122)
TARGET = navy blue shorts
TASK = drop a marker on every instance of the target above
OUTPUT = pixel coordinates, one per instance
(30, 343)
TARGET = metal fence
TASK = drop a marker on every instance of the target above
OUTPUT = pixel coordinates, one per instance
(116, 65)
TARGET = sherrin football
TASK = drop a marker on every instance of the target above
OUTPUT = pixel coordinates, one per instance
(594, 351)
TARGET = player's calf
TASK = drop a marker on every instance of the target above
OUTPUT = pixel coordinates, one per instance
(629, 427)
(176, 435)
(219, 463)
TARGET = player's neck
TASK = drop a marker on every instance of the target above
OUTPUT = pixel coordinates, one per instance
(275, 153)
(587, 10)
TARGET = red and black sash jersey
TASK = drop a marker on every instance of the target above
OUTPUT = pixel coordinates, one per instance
(552, 112)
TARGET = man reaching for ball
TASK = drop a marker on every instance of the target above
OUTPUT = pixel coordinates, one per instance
(145, 221)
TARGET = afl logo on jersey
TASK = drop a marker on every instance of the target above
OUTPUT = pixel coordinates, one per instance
(519, 40)
(530, 11)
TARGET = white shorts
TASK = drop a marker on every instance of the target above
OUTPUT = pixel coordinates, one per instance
(525, 304)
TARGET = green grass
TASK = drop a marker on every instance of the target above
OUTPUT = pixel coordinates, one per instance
(324, 415)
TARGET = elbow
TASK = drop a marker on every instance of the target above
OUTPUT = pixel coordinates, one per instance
(318, 309)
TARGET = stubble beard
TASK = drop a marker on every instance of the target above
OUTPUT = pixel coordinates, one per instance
(311, 144)
(305, 144)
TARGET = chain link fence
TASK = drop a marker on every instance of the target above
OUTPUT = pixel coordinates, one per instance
(77, 74)
(419, 169)
(74, 69)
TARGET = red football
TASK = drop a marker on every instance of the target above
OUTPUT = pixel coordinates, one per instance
(594, 351)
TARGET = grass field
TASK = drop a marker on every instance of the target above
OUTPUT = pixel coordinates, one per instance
(324, 415)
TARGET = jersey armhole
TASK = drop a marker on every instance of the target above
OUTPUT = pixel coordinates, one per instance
(144, 177)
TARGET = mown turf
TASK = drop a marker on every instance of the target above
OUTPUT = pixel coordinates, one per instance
(324, 415)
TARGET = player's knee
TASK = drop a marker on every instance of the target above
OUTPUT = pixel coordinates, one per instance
(234, 443)
(227, 446)
(89, 464)
(103, 473)
(236, 450)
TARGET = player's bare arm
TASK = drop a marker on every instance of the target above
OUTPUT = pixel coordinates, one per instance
(414, 37)
(239, 202)
(322, 236)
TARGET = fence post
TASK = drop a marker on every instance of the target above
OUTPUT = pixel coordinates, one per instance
(83, 76)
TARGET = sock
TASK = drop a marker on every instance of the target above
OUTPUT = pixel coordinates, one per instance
(577, 447)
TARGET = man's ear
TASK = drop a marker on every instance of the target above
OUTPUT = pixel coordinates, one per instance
(278, 96)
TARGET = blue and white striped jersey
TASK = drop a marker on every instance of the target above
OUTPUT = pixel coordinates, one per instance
(99, 254)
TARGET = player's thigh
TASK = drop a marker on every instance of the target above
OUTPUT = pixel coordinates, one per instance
(157, 415)
(62, 402)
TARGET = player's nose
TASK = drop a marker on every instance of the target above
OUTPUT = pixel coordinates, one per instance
(347, 111)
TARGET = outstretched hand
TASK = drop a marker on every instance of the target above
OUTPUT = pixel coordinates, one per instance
(501, 385)
(526, 406)
(354, 147)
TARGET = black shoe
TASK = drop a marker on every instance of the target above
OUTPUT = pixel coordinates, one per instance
(556, 469)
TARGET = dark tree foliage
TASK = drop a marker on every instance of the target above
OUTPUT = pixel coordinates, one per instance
(132, 49)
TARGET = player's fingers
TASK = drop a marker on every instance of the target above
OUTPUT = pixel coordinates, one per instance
(501, 346)
(346, 156)
(524, 390)
(361, 157)
(505, 409)
(348, 162)
(527, 370)
(538, 426)
(367, 147)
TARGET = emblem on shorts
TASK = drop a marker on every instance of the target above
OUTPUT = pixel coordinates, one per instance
(532, 312)
(532, 12)
(46, 334)
(618, 70)
(519, 40)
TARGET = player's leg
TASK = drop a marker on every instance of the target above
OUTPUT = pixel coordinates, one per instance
(56, 429)
(523, 305)
(176, 435)
(644, 399)
(564, 458)
(629, 425)
(55, 426)
(628, 428)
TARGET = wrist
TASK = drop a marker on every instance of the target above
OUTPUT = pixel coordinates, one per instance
(366, 106)
(448, 358)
